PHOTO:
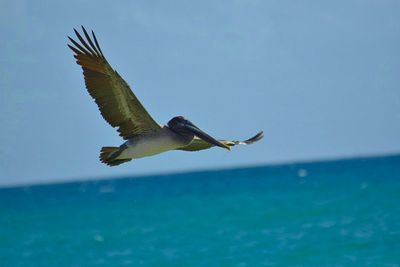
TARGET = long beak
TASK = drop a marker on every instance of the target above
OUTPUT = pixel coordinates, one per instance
(199, 133)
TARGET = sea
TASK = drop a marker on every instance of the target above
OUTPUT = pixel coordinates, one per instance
(327, 213)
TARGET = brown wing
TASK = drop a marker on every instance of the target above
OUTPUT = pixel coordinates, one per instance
(116, 101)
(199, 144)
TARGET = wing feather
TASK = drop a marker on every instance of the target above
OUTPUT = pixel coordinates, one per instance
(117, 103)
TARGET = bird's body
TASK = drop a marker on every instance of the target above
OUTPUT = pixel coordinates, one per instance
(154, 143)
(120, 108)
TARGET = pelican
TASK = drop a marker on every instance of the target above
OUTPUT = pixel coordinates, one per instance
(120, 108)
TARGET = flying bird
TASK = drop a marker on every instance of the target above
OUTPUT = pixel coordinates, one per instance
(120, 108)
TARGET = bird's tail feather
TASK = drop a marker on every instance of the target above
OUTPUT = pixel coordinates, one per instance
(108, 156)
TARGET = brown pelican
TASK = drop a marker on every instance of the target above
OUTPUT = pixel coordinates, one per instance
(120, 108)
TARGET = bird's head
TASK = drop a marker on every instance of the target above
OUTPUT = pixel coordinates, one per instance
(183, 126)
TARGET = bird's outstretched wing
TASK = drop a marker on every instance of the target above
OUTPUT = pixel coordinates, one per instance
(199, 144)
(117, 103)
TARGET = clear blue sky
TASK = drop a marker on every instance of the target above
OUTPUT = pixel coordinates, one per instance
(321, 78)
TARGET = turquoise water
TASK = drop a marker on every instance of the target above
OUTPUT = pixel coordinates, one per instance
(341, 213)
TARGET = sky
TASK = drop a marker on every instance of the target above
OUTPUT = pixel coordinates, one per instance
(321, 78)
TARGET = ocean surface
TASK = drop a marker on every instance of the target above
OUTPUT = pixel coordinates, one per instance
(337, 213)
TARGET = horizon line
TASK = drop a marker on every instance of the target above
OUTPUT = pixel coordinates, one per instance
(274, 164)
